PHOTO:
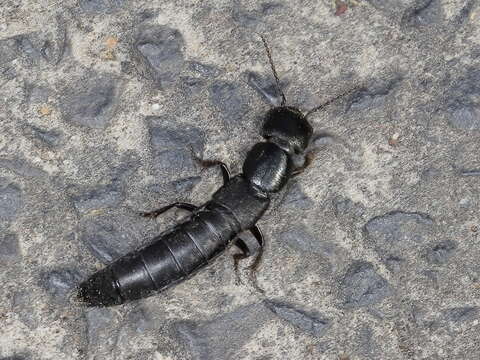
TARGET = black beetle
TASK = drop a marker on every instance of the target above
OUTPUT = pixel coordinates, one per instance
(236, 207)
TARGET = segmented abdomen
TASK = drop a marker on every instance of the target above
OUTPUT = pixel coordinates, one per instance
(179, 253)
(175, 255)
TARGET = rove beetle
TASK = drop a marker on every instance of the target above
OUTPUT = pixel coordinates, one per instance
(180, 252)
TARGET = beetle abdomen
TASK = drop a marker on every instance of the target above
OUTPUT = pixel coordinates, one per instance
(178, 253)
(170, 258)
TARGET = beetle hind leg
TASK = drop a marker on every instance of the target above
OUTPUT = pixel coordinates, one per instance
(245, 253)
(241, 244)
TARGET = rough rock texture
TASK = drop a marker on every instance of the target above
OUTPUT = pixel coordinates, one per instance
(372, 252)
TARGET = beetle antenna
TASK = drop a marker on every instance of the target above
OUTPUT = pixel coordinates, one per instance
(275, 75)
(331, 101)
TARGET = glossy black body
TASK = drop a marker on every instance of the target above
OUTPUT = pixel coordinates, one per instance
(191, 245)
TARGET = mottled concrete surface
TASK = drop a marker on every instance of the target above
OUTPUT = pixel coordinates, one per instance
(372, 253)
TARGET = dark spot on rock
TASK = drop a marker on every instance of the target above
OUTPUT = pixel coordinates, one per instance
(192, 85)
(467, 163)
(26, 48)
(206, 340)
(394, 263)
(461, 314)
(174, 149)
(373, 96)
(248, 19)
(7, 73)
(16, 357)
(268, 8)
(464, 116)
(49, 138)
(89, 102)
(430, 173)
(159, 52)
(346, 207)
(464, 12)
(423, 13)
(363, 286)
(24, 307)
(266, 87)
(59, 283)
(36, 48)
(296, 198)
(54, 43)
(300, 239)
(314, 324)
(205, 70)
(97, 198)
(9, 247)
(440, 253)
(11, 201)
(186, 185)
(109, 238)
(229, 99)
(128, 165)
(255, 17)
(36, 94)
(21, 167)
(395, 231)
(8, 50)
(167, 138)
(101, 6)
(463, 110)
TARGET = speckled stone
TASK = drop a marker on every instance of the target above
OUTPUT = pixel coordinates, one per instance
(371, 253)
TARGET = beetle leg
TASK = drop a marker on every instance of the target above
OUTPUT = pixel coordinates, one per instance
(211, 163)
(239, 243)
(179, 205)
(257, 233)
(223, 167)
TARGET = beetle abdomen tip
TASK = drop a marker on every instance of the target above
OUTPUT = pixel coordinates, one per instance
(99, 290)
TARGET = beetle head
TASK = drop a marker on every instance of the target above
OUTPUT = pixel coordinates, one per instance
(287, 127)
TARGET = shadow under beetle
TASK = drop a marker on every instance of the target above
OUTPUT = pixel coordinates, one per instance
(179, 253)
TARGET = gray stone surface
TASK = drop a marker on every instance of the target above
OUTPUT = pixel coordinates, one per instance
(59, 283)
(9, 250)
(89, 101)
(362, 286)
(311, 323)
(11, 201)
(372, 252)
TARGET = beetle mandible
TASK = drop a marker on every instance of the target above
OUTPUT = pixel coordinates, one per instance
(180, 252)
